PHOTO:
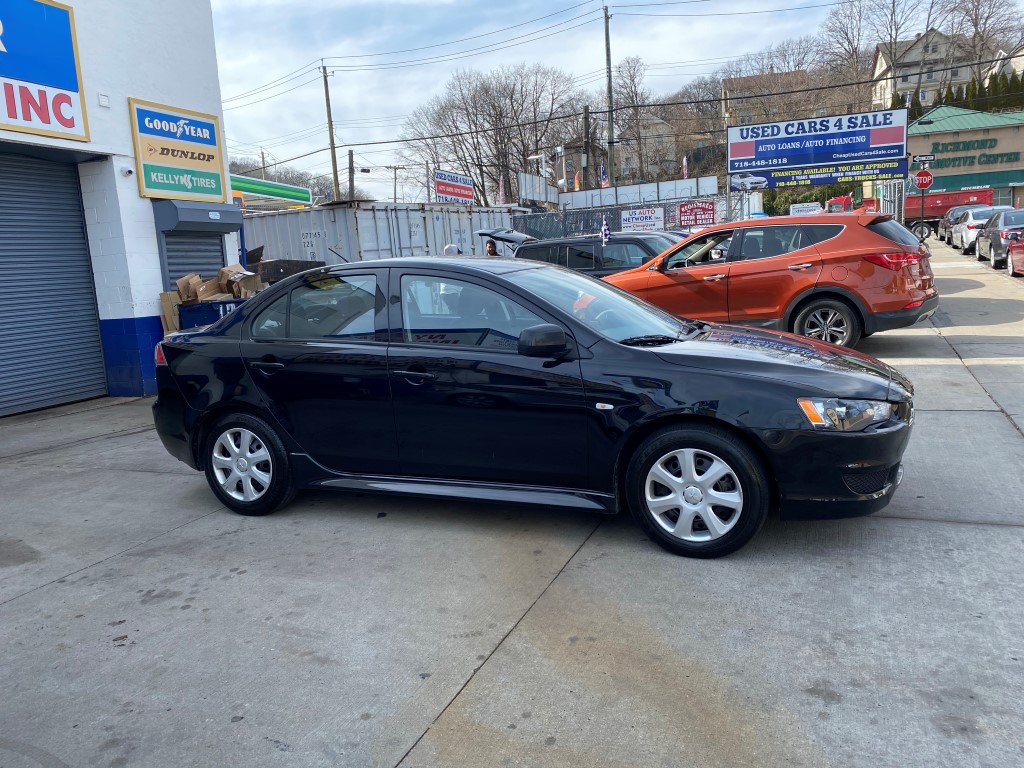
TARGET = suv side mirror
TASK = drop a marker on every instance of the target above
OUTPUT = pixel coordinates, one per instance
(545, 340)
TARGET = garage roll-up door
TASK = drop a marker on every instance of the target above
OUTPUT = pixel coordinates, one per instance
(50, 350)
(199, 252)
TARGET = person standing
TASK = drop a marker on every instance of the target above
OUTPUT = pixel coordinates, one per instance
(491, 249)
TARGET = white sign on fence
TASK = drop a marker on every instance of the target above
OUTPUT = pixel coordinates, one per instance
(643, 219)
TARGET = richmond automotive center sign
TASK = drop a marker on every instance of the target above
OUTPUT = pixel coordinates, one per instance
(40, 78)
(842, 140)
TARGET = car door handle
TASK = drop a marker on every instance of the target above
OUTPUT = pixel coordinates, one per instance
(416, 377)
(800, 266)
(266, 366)
(713, 278)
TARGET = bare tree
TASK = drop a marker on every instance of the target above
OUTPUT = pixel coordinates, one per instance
(843, 55)
(986, 26)
(891, 23)
(631, 98)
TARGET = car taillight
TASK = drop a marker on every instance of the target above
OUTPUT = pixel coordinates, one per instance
(914, 304)
(893, 261)
(158, 355)
(973, 226)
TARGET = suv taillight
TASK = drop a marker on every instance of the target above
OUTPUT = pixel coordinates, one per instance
(973, 226)
(893, 261)
(158, 355)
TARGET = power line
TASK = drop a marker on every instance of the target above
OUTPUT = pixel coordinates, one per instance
(729, 13)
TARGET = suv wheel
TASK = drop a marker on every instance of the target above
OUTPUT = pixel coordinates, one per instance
(829, 320)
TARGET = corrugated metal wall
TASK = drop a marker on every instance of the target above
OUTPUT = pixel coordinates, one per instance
(50, 349)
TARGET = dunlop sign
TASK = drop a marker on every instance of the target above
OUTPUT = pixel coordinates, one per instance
(178, 153)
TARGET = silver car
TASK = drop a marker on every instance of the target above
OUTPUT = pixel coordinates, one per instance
(967, 227)
(995, 236)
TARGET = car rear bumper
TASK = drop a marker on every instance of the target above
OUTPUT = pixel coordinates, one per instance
(823, 475)
(901, 318)
(170, 415)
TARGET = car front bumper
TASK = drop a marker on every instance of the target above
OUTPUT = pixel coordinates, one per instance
(825, 475)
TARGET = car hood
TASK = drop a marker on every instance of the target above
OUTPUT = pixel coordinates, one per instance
(821, 367)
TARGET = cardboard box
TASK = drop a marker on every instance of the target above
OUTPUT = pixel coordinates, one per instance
(246, 286)
(208, 288)
(186, 285)
(229, 274)
(218, 297)
(169, 301)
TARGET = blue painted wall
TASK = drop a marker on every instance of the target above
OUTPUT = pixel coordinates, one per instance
(128, 346)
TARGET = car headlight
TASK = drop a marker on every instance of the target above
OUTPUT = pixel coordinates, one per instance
(844, 415)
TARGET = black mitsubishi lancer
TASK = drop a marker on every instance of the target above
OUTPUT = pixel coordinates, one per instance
(524, 382)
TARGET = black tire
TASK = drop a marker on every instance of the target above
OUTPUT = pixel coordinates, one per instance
(829, 320)
(1009, 267)
(267, 480)
(746, 478)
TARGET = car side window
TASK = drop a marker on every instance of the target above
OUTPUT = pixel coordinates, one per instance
(993, 222)
(272, 321)
(579, 256)
(819, 233)
(623, 255)
(708, 249)
(335, 306)
(443, 311)
(765, 242)
(543, 253)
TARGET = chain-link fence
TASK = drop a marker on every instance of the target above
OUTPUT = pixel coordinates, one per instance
(572, 222)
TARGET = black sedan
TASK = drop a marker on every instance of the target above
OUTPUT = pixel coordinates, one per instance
(518, 381)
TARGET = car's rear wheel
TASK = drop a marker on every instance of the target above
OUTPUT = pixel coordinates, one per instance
(1010, 268)
(829, 320)
(698, 491)
(247, 466)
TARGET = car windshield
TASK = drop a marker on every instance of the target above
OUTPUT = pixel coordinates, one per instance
(602, 308)
(662, 242)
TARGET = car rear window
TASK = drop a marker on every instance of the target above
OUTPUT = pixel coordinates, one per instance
(981, 214)
(1014, 219)
(543, 253)
(819, 233)
(893, 230)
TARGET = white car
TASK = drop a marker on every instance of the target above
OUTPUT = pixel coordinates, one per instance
(970, 223)
(745, 182)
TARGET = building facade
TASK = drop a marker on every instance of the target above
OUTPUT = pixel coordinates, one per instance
(930, 62)
(113, 183)
(973, 150)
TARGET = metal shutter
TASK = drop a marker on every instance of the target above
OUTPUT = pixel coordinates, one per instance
(202, 253)
(50, 350)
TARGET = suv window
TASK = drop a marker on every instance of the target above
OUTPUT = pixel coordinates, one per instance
(819, 233)
(544, 253)
(336, 307)
(439, 310)
(702, 250)
(893, 230)
(623, 255)
(765, 242)
(578, 256)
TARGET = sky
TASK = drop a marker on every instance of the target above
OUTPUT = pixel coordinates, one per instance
(270, 51)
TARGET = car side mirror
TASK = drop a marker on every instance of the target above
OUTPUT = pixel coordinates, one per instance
(545, 340)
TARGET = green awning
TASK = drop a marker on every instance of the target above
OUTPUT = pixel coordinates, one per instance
(990, 180)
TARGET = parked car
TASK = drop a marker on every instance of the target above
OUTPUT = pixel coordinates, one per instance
(993, 237)
(744, 182)
(945, 228)
(511, 380)
(970, 222)
(836, 277)
(1015, 254)
(587, 253)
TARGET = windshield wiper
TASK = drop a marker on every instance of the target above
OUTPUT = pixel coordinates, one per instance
(652, 340)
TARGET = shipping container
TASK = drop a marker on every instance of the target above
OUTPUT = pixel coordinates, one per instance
(363, 231)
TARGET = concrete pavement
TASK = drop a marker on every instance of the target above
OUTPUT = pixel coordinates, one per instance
(143, 624)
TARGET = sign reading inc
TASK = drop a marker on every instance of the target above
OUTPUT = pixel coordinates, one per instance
(40, 77)
(178, 153)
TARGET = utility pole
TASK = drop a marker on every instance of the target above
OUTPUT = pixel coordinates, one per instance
(395, 169)
(351, 176)
(330, 133)
(584, 161)
(263, 165)
(429, 180)
(611, 107)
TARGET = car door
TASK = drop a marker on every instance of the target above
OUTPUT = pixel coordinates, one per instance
(691, 281)
(318, 356)
(987, 233)
(769, 266)
(468, 406)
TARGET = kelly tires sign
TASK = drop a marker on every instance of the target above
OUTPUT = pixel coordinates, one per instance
(452, 187)
(178, 153)
(838, 140)
(40, 76)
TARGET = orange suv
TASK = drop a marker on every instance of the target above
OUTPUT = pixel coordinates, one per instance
(836, 277)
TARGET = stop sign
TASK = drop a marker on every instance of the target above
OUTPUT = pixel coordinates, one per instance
(923, 179)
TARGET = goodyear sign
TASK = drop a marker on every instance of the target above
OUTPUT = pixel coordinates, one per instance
(40, 77)
(178, 153)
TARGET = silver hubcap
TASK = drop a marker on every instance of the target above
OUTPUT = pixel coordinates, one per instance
(827, 325)
(693, 495)
(242, 464)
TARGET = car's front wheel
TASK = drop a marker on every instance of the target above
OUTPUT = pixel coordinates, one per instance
(247, 465)
(829, 320)
(698, 491)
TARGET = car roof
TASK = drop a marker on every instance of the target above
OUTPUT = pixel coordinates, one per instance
(482, 265)
(811, 218)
